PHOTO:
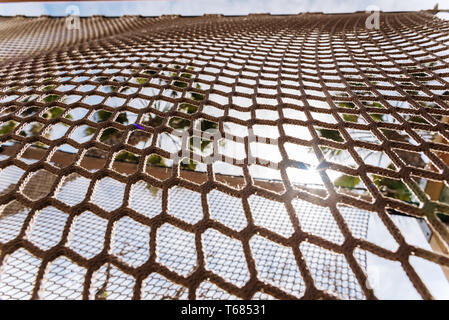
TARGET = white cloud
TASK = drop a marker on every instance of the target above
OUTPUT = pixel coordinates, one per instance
(443, 15)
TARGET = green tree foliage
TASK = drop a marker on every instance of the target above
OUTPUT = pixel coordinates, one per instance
(156, 160)
(392, 188)
(188, 164)
(51, 98)
(127, 157)
(330, 134)
(347, 181)
(8, 127)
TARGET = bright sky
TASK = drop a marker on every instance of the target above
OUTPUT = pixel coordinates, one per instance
(227, 7)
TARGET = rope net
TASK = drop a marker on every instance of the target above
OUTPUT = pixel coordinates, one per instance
(318, 125)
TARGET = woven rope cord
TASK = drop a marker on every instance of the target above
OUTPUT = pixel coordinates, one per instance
(311, 64)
